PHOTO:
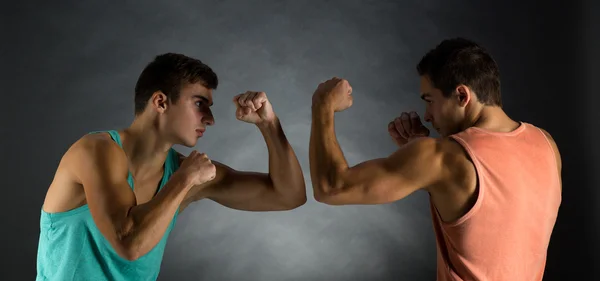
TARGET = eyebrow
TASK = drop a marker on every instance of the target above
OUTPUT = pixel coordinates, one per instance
(203, 98)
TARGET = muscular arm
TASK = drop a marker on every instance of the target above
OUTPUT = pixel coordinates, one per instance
(132, 230)
(283, 188)
(418, 164)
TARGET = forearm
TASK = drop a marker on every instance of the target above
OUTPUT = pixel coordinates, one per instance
(284, 168)
(147, 223)
(327, 162)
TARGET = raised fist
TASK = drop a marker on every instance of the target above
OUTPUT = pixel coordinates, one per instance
(335, 93)
(197, 168)
(253, 107)
(406, 128)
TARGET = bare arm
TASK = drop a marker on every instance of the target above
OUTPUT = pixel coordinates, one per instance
(419, 164)
(283, 188)
(132, 230)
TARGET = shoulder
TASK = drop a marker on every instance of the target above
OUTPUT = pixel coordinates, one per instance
(437, 149)
(550, 139)
(95, 151)
(554, 147)
(96, 145)
(444, 158)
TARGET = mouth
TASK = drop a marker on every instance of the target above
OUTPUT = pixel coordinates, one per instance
(200, 132)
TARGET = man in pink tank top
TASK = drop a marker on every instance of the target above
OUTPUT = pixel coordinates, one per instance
(494, 183)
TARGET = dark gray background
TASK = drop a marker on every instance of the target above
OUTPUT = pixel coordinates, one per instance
(70, 68)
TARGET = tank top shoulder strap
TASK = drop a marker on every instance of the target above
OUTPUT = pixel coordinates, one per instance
(113, 134)
(171, 163)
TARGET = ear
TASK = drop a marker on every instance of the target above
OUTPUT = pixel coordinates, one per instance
(463, 95)
(159, 101)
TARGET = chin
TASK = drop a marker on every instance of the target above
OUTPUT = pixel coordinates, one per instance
(188, 145)
(191, 142)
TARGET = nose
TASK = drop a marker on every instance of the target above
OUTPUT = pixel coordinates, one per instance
(208, 120)
(427, 117)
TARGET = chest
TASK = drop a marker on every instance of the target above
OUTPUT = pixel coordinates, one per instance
(146, 188)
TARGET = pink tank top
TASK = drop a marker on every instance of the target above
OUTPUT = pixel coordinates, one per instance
(505, 235)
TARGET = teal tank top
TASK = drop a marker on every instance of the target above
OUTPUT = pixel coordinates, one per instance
(72, 248)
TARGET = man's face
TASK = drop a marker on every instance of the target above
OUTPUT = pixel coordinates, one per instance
(444, 113)
(188, 117)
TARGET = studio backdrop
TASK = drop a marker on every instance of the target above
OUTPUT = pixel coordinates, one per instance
(69, 68)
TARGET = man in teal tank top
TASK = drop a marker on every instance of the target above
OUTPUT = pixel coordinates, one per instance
(116, 194)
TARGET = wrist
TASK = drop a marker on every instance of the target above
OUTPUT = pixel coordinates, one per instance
(269, 125)
(182, 181)
(322, 109)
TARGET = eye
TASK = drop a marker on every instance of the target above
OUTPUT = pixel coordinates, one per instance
(200, 103)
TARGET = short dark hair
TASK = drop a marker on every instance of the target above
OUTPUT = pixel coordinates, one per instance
(461, 61)
(168, 73)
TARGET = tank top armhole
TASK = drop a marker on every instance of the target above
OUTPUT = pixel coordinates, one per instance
(480, 187)
(552, 152)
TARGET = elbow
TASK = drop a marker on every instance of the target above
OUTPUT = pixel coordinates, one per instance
(322, 193)
(126, 249)
(299, 200)
(323, 198)
(332, 193)
(291, 196)
(296, 201)
(126, 244)
(327, 187)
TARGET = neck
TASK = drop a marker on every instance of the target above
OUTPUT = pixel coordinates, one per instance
(491, 118)
(146, 150)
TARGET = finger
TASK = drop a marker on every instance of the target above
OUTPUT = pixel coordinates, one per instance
(246, 111)
(392, 130)
(259, 100)
(236, 99)
(333, 81)
(400, 128)
(405, 119)
(415, 123)
(243, 98)
(239, 112)
(237, 102)
(250, 101)
(394, 133)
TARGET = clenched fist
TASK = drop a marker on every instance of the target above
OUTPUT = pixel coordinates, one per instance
(253, 107)
(335, 94)
(197, 168)
(406, 128)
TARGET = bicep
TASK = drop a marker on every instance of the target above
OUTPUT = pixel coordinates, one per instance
(415, 166)
(103, 173)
